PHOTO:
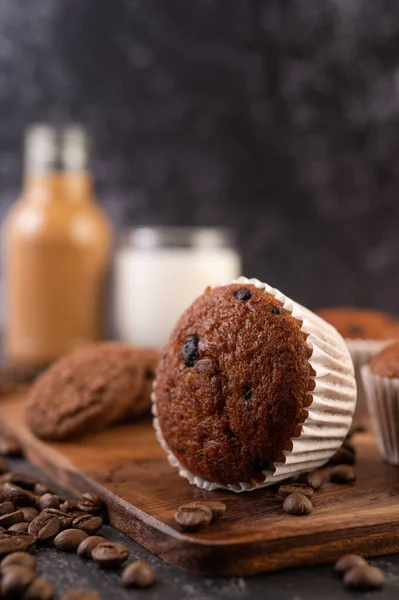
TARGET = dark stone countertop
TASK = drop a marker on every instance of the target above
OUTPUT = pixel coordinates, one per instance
(68, 570)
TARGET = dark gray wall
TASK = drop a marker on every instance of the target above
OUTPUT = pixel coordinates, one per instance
(278, 118)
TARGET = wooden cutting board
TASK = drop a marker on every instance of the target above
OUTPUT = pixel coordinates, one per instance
(128, 469)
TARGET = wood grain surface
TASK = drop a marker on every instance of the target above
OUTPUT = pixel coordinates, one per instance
(128, 469)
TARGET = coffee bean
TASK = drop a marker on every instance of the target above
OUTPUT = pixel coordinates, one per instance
(291, 488)
(78, 594)
(69, 506)
(18, 495)
(193, 518)
(49, 501)
(364, 577)
(45, 527)
(15, 579)
(138, 574)
(109, 555)
(70, 539)
(19, 558)
(314, 479)
(91, 503)
(6, 508)
(40, 489)
(40, 589)
(190, 350)
(343, 456)
(19, 527)
(29, 513)
(297, 504)
(24, 481)
(243, 294)
(348, 561)
(218, 508)
(342, 474)
(86, 547)
(4, 466)
(11, 518)
(9, 446)
(65, 518)
(13, 542)
(88, 523)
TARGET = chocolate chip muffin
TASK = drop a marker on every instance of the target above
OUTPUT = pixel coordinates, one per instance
(235, 385)
(89, 389)
(362, 323)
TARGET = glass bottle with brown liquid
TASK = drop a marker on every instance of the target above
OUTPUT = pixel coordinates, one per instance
(56, 248)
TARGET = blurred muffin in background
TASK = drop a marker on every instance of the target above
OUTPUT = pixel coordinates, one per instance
(366, 332)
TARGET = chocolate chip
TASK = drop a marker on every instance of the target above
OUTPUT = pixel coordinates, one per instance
(291, 488)
(193, 517)
(276, 311)
(297, 504)
(243, 294)
(247, 393)
(190, 351)
(109, 555)
(314, 479)
(149, 374)
(342, 474)
(40, 589)
(348, 561)
(364, 577)
(138, 574)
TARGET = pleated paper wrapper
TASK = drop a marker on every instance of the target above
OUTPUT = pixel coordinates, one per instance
(362, 351)
(382, 395)
(329, 415)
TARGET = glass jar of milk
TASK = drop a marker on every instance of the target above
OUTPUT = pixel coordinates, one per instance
(158, 273)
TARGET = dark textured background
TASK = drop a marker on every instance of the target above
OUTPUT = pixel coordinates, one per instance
(278, 118)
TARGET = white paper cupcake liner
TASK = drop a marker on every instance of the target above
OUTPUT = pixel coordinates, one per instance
(329, 415)
(382, 395)
(361, 352)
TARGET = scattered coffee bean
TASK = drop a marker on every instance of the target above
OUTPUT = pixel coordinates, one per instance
(88, 523)
(24, 481)
(4, 466)
(29, 513)
(65, 518)
(193, 518)
(348, 561)
(11, 518)
(218, 508)
(19, 527)
(364, 577)
(79, 594)
(49, 501)
(291, 488)
(15, 579)
(19, 558)
(343, 456)
(109, 555)
(86, 547)
(18, 495)
(314, 480)
(342, 474)
(70, 539)
(9, 446)
(138, 574)
(190, 350)
(91, 503)
(40, 589)
(6, 508)
(14, 542)
(45, 527)
(297, 504)
(243, 294)
(69, 506)
(40, 489)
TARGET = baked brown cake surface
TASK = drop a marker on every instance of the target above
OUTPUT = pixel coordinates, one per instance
(362, 323)
(87, 390)
(386, 362)
(234, 383)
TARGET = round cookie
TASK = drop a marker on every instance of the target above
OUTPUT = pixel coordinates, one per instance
(85, 391)
(361, 323)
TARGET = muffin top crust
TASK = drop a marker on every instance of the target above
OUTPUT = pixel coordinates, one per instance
(362, 323)
(386, 362)
(234, 384)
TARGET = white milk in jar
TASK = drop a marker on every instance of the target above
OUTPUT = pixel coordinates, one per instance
(160, 271)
